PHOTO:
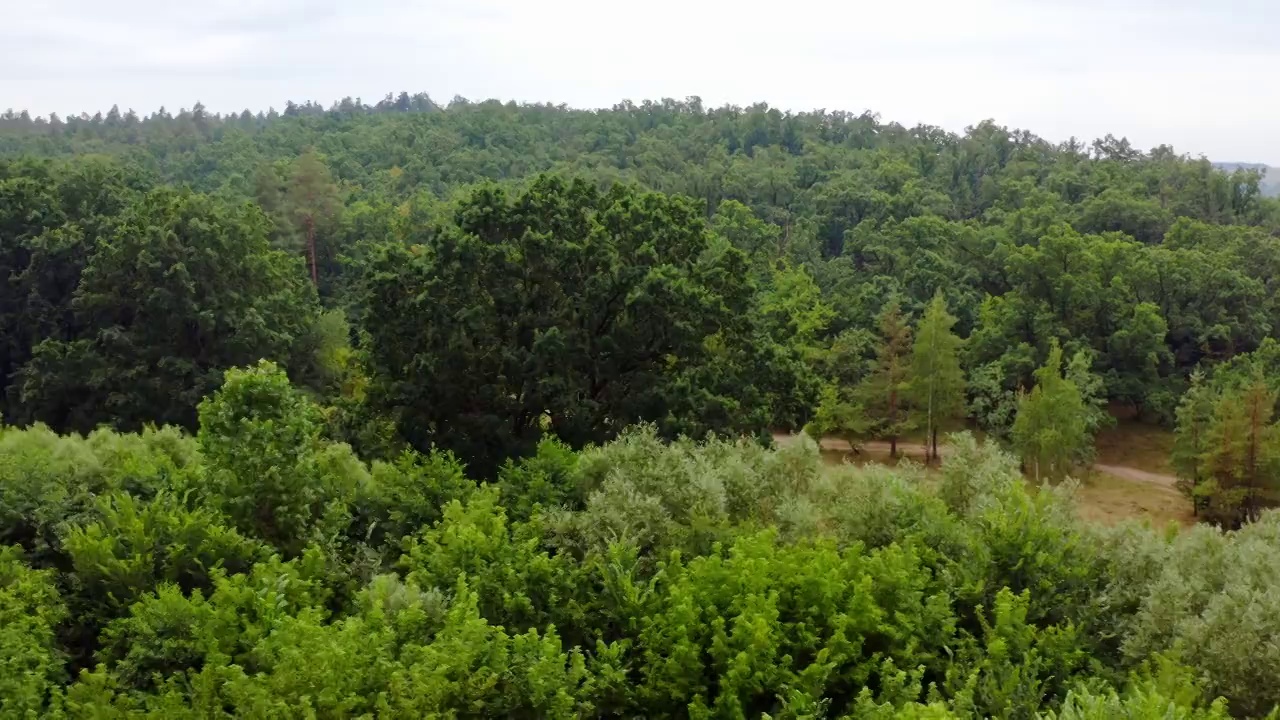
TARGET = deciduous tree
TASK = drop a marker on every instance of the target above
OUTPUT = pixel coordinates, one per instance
(567, 310)
(1052, 423)
(183, 288)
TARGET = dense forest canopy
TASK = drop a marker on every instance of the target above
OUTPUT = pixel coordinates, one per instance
(384, 410)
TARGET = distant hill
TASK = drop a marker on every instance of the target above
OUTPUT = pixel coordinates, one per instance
(1270, 183)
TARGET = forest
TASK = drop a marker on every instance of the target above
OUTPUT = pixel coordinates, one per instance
(468, 409)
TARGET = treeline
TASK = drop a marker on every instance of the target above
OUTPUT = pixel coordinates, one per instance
(1070, 241)
(261, 569)
(559, 309)
(477, 304)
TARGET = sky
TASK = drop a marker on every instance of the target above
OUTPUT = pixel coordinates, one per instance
(1196, 75)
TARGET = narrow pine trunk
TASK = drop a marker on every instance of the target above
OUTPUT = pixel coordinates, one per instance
(893, 422)
(311, 252)
(932, 455)
(1255, 425)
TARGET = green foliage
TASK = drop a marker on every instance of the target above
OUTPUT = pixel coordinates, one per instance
(657, 497)
(1154, 261)
(517, 583)
(718, 579)
(1240, 462)
(132, 547)
(312, 204)
(839, 415)
(583, 310)
(884, 393)
(1226, 451)
(793, 308)
(176, 289)
(937, 388)
(31, 664)
(976, 475)
(1213, 603)
(48, 482)
(821, 627)
(993, 404)
(268, 467)
(1052, 428)
(1136, 704)
(405, 495)
(1191, 437)
(164, 634)
(1138, 353)
(543, 481)
(1017, 667)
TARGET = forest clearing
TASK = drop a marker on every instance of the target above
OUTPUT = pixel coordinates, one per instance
(1107, 493)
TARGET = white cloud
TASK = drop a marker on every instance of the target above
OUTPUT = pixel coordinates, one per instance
(1191, 73)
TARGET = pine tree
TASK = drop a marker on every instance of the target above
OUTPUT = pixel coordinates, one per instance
(1052, 424)
(883, 393)
(1191, 438)
(1242, 462)
(312, 201)
(937, 388)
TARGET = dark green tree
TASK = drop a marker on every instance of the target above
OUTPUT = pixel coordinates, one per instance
(565, 310)
(181, 289)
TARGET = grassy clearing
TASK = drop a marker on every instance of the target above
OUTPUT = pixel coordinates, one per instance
(1108, 499)
(1101, 497)
(1136, 445)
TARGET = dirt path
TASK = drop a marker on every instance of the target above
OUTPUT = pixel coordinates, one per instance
(917, 450)
(1128, 473)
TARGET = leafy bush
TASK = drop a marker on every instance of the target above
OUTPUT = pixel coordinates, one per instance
(31, 664)
(48, 481)
(264, 570)
(133, 547)
(1215, 604)
(268, 468)
(517, 583)
(405, 495)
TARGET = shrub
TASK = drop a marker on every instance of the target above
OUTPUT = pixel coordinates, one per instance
(31, 665)
(268, 468)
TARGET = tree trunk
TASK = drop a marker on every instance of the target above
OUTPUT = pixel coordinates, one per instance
(931, 454)
(893, 421)
(311, 251)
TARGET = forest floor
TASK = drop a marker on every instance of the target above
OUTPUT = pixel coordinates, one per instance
(1131, 479)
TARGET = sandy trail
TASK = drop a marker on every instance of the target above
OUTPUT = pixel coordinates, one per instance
(1128, 473)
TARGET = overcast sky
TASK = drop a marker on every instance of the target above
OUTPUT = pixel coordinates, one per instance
(1197, 74)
